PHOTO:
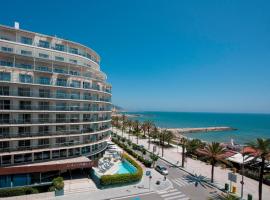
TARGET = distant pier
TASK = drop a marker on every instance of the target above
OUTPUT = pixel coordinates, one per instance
(201, 129)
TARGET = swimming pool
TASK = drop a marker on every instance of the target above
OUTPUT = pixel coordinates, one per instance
(126, 167)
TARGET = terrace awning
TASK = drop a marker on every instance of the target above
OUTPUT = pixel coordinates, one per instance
(238, 158)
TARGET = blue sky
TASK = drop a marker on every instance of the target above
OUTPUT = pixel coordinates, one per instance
(165, 55)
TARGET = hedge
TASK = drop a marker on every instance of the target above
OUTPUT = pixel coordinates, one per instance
(107, 180)
(9, 192)
(146, 162)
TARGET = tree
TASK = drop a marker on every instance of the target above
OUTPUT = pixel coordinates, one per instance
(154, 158)
(137, 129)
(168, 137)
(260, 149)
(155, 133)
(144, 129)
(124, 124)
(148, 125)
(183, 142)
(193, 145)
(129, 124)
(215, 153)
(162, 140)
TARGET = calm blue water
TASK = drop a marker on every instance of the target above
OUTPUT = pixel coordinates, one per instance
(125, 167)
(250, 126)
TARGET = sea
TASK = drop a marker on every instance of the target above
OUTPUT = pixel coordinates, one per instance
(249, 126)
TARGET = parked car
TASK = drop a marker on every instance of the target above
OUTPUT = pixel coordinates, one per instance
(161, 169)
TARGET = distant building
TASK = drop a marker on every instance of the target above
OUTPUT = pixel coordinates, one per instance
(55, 107)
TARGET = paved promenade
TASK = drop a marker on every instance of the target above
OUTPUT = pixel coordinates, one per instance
(174, 156)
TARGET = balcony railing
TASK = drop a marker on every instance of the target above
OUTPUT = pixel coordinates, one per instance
(56, 95)
(50, 146)
(53, 133)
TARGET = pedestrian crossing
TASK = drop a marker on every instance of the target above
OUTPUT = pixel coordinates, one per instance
(172, 194)
(181, 182)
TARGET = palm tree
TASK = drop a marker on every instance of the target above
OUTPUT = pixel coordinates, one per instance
(149, 126)
(260, 149)
(193, 145)
(154, 158)
(161, 140)
(129, 124)
(155, 133)
(169, 136)
(144, 129)
(124, 123)
(183, 142)
(215, 153)
(137, 129)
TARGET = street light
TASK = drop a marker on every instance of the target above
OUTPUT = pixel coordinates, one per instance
(242, 181)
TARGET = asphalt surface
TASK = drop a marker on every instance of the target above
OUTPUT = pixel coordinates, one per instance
(184, 187)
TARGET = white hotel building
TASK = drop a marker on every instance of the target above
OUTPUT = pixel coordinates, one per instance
(55, 107)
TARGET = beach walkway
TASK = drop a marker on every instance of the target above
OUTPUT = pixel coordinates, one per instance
(173, 155)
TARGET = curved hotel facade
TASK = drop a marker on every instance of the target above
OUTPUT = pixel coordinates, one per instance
(55, 107)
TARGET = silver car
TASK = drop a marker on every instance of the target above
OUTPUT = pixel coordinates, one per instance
(161, 169)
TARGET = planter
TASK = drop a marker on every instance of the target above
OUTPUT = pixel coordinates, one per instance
(59, 192)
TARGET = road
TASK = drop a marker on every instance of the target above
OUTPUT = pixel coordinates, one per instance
(183, 188)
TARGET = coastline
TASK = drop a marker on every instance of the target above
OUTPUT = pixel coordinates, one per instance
(201, 129)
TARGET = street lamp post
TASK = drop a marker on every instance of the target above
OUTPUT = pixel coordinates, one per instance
(242, 181)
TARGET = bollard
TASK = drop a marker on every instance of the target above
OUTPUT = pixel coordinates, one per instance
(249, 197)
(234, 189)
(226, 187)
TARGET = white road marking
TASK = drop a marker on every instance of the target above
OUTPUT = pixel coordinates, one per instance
(171, 194)
(178, 197)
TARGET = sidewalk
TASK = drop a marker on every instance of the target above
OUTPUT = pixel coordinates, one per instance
(173, 155)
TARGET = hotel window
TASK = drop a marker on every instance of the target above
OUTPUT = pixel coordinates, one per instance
(4, 131)
(26, 40)
(4, 104)
(61, 94)
(44, 118)
(43, 55)
(73, 61)
(60, 71)
(24, 118)
(75, 128)
(5, 76)
(25, 92)
(43, 105)
(43, 142)
(73, 50)
(4, 90)
(61, 82)
(76, 84)
(88, 56)
(86, 85)
(74, 117)
(46, 155)
(59, 47)
(6, 63)
(44, 44)
(25, 105)
(25, 78)
(7, 49)
(6, 160)
(61, 106)
(26, 53)
(87, 96)
(61, 129)
(44, 80)
(75, 73)
(60, 140)
(24, 66)
(75, 95)
(4, 118)
(4, 145)
(24, 143)
(24, 131)
(75, 106)
(38, 156)
(43, 68)
(55, 154)
(61, 118)
(43, 130)
(44, 93)
(58, 58)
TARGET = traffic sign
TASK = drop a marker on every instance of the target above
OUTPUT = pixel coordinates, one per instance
(148, 173)
(232, 177)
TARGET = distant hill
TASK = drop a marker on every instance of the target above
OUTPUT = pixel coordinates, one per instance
(116, 108)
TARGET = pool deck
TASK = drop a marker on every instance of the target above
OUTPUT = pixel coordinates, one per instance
(111, 171)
